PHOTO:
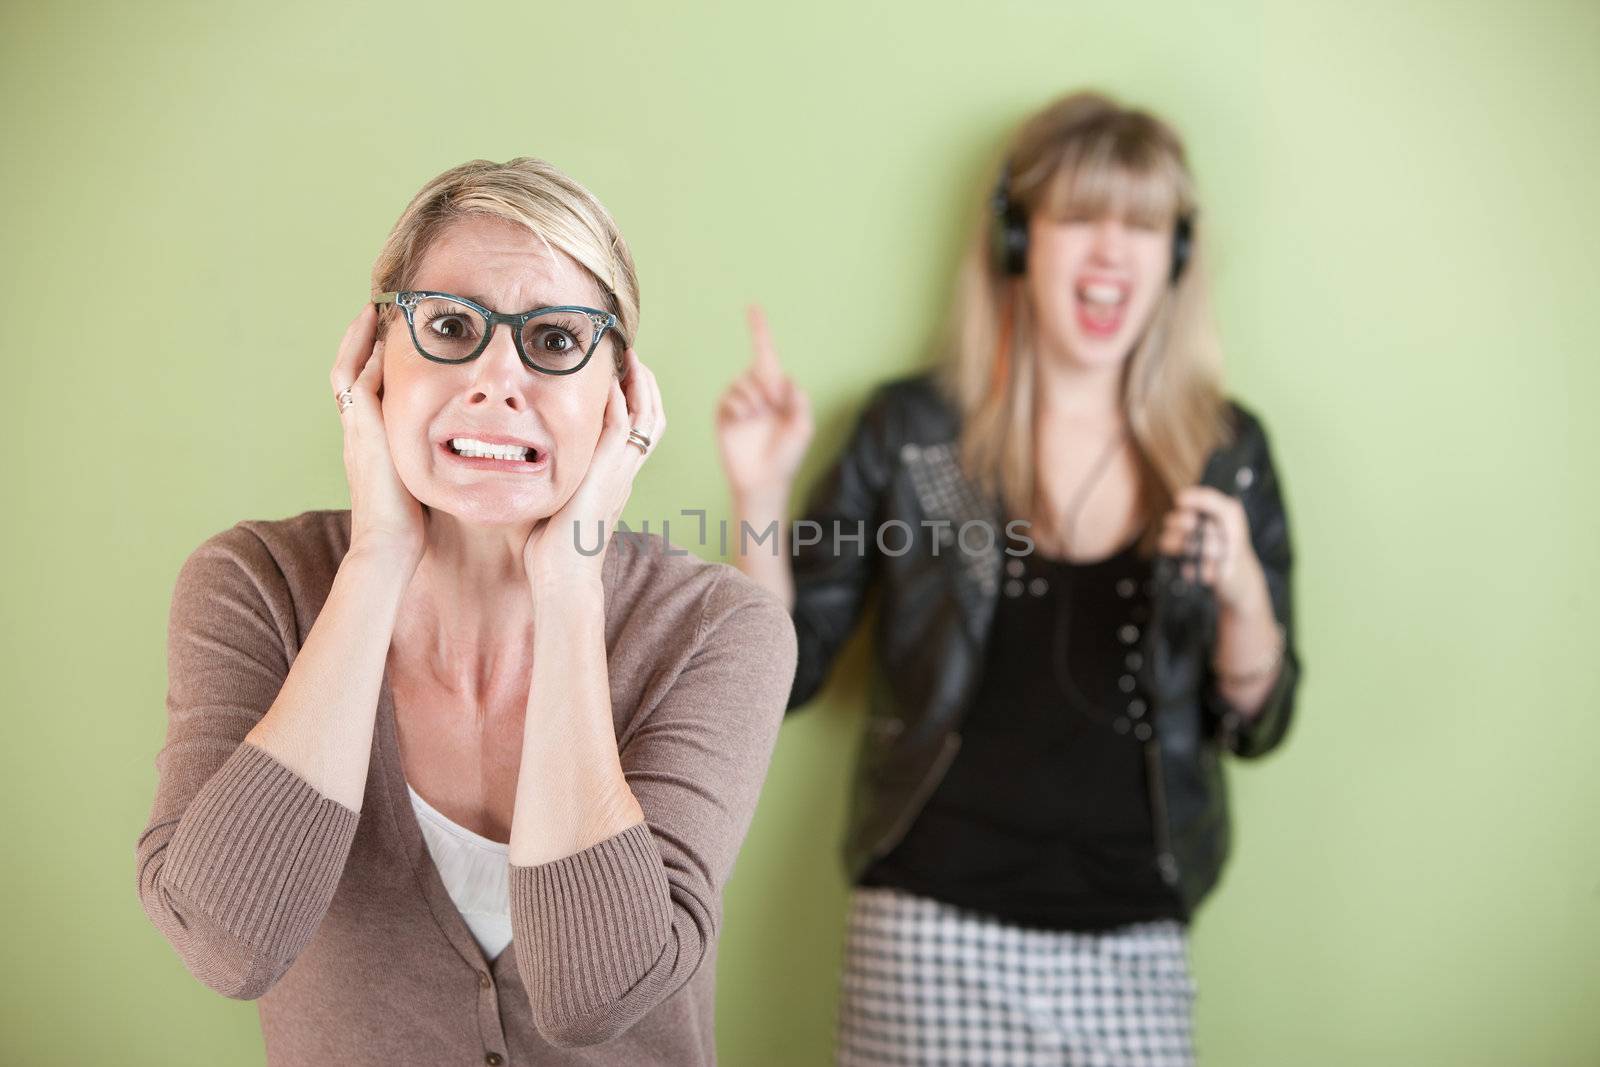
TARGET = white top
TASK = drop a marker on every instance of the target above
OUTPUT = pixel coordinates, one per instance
(475, 870)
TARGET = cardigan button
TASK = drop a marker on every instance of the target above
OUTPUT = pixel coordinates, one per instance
(484, 981)
(493, 1059)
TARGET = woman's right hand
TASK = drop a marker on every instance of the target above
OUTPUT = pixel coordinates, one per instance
(384, 517)
(763, 423)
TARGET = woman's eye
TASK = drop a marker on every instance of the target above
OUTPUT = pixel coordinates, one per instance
(554, 339)
(449, 326)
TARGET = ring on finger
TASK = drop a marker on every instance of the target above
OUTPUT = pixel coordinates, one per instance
(345, 399)
(636, 437)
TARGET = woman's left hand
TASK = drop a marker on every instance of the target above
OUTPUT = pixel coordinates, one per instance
(1228, 561)
(594, 507)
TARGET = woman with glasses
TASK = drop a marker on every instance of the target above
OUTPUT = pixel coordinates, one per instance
(454, 775)
(1082, 559)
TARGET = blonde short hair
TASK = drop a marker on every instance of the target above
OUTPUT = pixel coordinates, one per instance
(530, 193)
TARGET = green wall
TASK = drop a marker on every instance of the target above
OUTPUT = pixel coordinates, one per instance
(1403, 207)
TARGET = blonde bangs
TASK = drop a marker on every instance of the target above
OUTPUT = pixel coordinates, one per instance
(1117, 172)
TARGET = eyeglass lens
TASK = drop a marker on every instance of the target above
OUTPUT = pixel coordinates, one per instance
(447, 329)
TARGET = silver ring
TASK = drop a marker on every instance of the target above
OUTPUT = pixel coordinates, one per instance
(637, 438)
(345, 399)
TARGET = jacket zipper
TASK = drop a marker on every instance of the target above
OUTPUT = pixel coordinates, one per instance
(1155, 631)
(1166, 862)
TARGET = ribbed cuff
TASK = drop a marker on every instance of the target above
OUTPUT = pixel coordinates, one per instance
(260, 851)
(598, 921)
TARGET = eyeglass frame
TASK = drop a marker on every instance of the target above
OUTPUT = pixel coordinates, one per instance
(408, 299)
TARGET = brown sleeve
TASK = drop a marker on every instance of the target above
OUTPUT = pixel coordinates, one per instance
(241, 856)
(606, 934)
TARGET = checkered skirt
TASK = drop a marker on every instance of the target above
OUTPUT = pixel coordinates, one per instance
(927, 983)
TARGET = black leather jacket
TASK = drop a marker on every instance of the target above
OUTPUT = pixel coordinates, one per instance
(898, 474)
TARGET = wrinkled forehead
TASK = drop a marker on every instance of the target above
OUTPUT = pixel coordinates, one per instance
(503, 266)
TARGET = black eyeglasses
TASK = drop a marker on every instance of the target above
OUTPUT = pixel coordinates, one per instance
(452, 329)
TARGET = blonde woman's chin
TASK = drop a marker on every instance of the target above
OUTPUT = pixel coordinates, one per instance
(493, 506)
(1091, 353)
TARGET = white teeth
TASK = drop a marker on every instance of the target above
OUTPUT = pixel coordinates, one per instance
(1103, 293)
(467, 446)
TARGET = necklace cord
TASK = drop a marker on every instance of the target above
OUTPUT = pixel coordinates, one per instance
(1060, 663)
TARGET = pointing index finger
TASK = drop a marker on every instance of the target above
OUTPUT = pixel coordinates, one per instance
(765, 363)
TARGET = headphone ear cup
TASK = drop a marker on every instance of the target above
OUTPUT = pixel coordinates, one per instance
(1014, 240)
(1182, 246)
(1010, 228)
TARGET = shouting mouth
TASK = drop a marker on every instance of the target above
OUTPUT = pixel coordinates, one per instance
(1101, 306)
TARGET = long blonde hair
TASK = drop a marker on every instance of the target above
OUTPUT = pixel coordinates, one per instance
(530, 193)
(1079, 157)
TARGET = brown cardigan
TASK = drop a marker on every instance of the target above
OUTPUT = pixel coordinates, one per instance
(337, 922)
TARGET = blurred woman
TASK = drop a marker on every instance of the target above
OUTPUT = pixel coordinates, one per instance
(1082, 558)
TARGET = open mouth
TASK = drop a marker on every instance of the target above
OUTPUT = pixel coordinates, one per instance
(1101, 306)
(483, 452)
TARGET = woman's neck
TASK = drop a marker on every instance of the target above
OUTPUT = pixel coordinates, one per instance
(468, 612)
(1084, 395)
(1086, 480)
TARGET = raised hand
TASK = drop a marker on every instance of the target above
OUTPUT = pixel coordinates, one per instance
(763, 422)
(1228, 561)
(384, 516)
(588, 516)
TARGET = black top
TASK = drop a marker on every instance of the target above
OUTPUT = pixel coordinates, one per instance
(1043, 818)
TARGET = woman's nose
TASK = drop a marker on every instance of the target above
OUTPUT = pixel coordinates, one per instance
(498, 372)
(1110, 239)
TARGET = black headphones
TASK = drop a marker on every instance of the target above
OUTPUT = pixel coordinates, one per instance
(1011, 233)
